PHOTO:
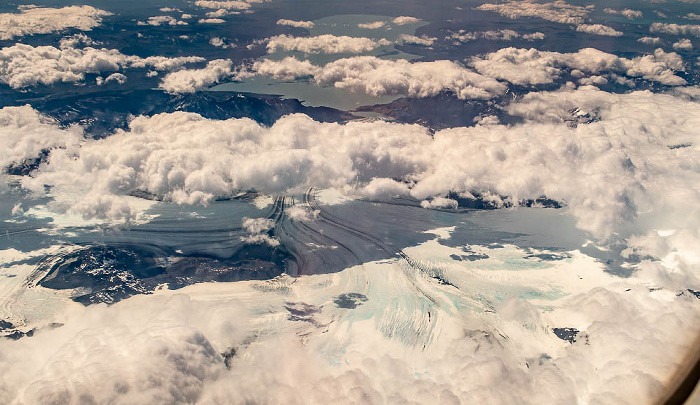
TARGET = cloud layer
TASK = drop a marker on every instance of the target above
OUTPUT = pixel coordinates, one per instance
(613, 164)
(598, 29)
(556, 11)
(327, 44)
(532, 67)
(42, 20)
(463, 36)
(24, 134)
(23, 66)
(375, 76)
(191, 80)
(297, 24)
(676, 29)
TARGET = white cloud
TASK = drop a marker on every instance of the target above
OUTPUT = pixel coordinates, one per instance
(374, 76)
(606, 170)
(220, 13)
(598, 29)
(630, 14)
(286, 69)
(192, 80)
(593, 81)
(557, 11)
(24, 134)
(323, 44)
(622, 122)
(532, 67)
(223, 4)
(220, 43)
(403, 20)
(211, 21)
(504, 35)
(257, 231)
(40, 20)
(165, 349)
(439, 202)
(76, 40)
(23, 66)
(463, 36)
(162, 20)
(650, 40)
(301, 213)
(692, 16)
(164, 352)
(683, 45)
(676, 29)
(114, 77)
(534, 36)
(372, 26)
(422, 40)
(383, 189)
(298, 24)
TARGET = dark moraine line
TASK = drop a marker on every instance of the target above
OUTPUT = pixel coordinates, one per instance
(310, 198)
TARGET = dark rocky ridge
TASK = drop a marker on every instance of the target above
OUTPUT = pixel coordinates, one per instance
(441, 111)
(102, 112)
(108, 274)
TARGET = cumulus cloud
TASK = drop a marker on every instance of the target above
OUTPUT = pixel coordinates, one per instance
(683, 45)
(650, 40)
(220, 13)
(223, 4)
(374, 76)
(611, 109)
(168, 349)
(532, 67)
(439, 203)
(301, 213)
(162, 20)
(422, 40)
(287, 69)
(192, 80)
(606, 169)
(76, 40)
(298, 24)
(403, 20)
(323, 44)
(220, 43)
(211, 21)
(533, 36)
(557, 11)
(42, 20)
(25, 134)
(114, 77)
(23, 66)
(598, 29)
(257, 229)
(630, 14)
(161, 355)
(463, 36)
(617, 173)
(372, 26)
(676, 29)
(383, 188)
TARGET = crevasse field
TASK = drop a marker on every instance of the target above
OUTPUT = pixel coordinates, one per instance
(366, 202)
